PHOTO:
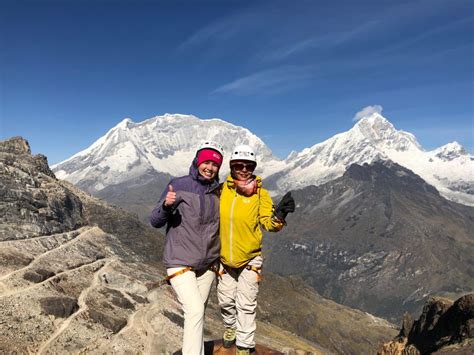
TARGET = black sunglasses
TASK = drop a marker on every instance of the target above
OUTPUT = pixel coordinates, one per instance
(242, 166)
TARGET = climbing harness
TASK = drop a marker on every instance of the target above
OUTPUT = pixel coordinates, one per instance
(257, 270)
(214, 267)
(166, 280)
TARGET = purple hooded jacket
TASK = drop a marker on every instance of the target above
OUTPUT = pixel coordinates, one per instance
(192, 223)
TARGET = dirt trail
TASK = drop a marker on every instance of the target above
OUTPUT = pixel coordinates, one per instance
(40, 237)
(96, 280)
(7, 291)
(83, 234)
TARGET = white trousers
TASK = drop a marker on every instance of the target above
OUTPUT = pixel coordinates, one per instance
(237, 291)
(192, 289)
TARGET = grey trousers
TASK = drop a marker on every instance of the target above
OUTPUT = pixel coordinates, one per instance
(237, 292)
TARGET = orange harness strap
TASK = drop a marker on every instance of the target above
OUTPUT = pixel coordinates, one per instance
(177, 273)
(258, 270)
(215, 269)
(167, 279)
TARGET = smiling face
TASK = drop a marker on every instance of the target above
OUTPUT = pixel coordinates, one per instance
(242, 169)
(208, 169)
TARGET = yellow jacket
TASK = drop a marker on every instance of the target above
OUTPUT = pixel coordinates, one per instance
(240, 220)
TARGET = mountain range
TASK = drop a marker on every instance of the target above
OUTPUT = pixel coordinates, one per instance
(131, 156)
(448, 168)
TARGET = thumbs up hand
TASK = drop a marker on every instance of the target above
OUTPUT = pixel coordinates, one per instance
(170, 198)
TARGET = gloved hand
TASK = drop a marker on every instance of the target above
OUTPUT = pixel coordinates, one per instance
(286, 205)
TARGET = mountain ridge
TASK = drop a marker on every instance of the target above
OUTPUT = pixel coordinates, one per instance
(373, 138)
(166, 144)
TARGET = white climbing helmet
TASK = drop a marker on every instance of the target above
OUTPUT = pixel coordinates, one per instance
(243, 152)
(212, 145)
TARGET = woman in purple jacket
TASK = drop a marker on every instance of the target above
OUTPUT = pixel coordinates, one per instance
(190, 209)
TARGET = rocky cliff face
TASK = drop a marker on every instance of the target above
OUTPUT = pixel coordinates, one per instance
(444, 327)
(74, 273)
(378, 239)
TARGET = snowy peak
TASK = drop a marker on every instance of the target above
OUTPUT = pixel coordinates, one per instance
(371, 138)
(124, 124)
(374, 138)
(379, 131)
(168, 134)
(375, 119)
(450, 151)
(163, 144)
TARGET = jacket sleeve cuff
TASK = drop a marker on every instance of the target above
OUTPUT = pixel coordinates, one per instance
(167, 209)
(277, 219)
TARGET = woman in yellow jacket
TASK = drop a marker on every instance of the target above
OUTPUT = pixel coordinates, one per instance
(245, 208)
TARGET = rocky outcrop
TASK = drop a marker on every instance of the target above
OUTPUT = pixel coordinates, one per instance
(59, 307)
(444, 326)
(31, 201)
(16, 146)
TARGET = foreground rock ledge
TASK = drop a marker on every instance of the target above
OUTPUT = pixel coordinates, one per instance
(444, 327)
(216, 347)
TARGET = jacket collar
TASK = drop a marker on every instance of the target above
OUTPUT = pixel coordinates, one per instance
(231, 185)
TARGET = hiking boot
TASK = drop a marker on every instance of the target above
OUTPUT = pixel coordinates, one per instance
(242, 351)
(229, 337)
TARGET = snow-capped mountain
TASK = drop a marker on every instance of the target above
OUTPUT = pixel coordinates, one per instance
(163, 144)
(166, 145)
(449, 168)
(450, 151)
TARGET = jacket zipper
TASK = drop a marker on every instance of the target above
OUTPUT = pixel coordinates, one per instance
(231, 216)
(205, 241)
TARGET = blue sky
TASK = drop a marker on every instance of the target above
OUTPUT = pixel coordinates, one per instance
(293, 72)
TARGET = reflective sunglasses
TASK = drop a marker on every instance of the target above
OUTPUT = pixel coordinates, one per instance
(242, 166)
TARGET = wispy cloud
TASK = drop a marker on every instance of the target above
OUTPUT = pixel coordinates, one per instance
(221, 31)
(293, 49)
(367, 111)
(425, 35)
(318, 41)
(261, 36)
(269, 82)
(218, 31)
(269, 33)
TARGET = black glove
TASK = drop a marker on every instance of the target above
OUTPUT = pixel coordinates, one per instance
(286, 205)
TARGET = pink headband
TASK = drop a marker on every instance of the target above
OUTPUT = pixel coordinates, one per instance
(209, 155)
